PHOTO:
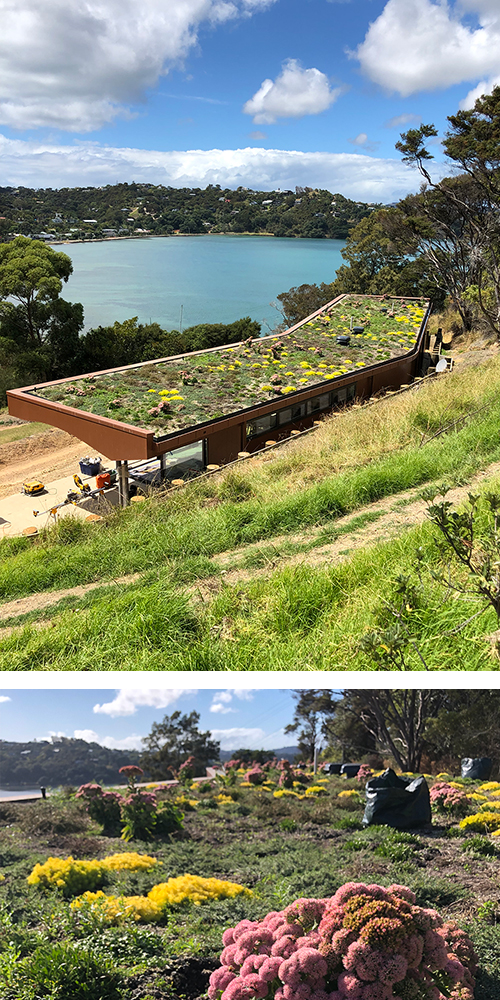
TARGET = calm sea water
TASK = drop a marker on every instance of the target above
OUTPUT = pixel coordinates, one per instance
(215, 279)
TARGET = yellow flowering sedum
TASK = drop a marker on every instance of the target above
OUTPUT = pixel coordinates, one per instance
(348, 794)
(74, 877)
(149, 908)
(489, 821)
(114, 909)
(489, 786)
(316, 790)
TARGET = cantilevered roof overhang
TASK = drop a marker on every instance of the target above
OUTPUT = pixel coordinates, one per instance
(121, 441)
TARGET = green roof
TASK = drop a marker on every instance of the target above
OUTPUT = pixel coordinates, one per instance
(170, 396)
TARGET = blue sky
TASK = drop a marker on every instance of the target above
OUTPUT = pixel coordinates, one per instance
(119, 718)
(263, 93)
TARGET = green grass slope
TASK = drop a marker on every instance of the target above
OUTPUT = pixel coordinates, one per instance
(183, 615)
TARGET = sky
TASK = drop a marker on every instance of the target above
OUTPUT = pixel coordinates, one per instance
(120, 718)
(265, 94)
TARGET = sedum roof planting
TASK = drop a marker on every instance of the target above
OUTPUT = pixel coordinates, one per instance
(171, 395)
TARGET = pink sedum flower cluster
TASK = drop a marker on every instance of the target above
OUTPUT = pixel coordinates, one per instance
(449, 799)
(364, 943)
(364, 774)
(255, 775)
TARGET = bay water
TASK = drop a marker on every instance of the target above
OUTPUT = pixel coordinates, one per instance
(193, 279)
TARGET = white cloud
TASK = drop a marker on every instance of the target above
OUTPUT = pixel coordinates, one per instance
(295, 92)
(4, 697)
(128, 700)
(77, 64)
(425, 45)
(45, 164)
(223, 699)
(485, 87)
(221, 702)
(405, 119)
(133, 742)
(233, 739)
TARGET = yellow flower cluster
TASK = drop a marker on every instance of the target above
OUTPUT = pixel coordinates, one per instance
(223, 799)
(281, 792)
(149, 908)
(489, 786)
(114, 909)
(348, 794)
(486, 806)
(316, 790)
(74, 877)
(481, 822)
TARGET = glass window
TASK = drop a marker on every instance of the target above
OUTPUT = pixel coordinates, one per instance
(261, 425)
(343, 395)
(285, 416)
(313, 405)
(298, 411)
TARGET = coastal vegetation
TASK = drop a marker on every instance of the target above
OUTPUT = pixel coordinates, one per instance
(140, 209)
(157, 925)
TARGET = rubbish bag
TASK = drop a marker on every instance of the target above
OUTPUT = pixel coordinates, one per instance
(399, 802)
(476, 767)
(350, 770)
(332, 768)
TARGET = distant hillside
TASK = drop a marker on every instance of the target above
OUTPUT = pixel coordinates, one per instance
(67, 761)
(289, 753)
(62, 762)
(134, 209)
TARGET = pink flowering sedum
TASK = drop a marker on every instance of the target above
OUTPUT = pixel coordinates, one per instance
(448, 799)
(364, 943)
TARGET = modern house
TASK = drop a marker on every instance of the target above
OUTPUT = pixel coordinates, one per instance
(205, 408)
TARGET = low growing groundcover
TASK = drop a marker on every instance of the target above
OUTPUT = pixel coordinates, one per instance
(279, 848)
(171, 395)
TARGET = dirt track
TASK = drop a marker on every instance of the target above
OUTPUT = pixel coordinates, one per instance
(48, 455)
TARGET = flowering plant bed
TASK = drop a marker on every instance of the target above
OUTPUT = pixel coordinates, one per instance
(169, 396)
(364, 943)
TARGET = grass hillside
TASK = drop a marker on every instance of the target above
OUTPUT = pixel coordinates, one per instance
(285, 561)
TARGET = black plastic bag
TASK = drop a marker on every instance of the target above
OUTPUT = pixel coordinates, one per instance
(476, 767)
(332, 768)
(399, 802)
(350, 770)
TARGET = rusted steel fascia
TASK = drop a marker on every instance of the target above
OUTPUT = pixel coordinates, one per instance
(31, 407)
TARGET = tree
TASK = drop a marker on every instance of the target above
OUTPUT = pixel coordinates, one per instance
(303, 300)
(32, 274)
(385, 257)
(473, 145)
(467, 724)
(396, 720)
(173, 740)
(311, 719)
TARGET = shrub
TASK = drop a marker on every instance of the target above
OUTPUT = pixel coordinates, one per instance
(139, 815)
(448, 799)
(358, 945)
(255, 776)
(103, 807)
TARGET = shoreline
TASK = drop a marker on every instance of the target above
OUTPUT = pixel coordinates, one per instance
(164, 236)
